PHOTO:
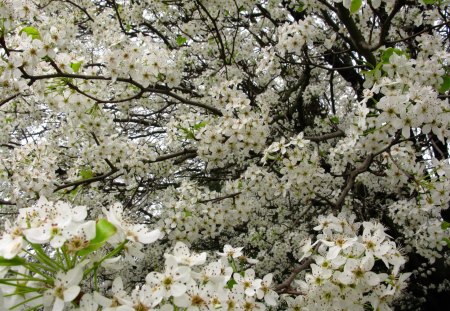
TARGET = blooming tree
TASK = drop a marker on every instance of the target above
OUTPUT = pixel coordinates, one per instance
(232, 154)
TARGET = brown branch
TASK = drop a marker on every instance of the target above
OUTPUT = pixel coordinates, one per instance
(409, 37)
(104, 101)
(156, 89)
(286, 285)
(114, 4)
(387, 23)
(355, 34)
(4, 202)
(228, 196)
(4, 101)
(338, 133)
(77, 183)
(165, 91)
(81, 9)
(138, 121)
(159, 34)
(358, 170)
(172, 155)
(219, 37)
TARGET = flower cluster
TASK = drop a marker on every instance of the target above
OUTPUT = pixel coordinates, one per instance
(350, 270)
(218, 122)
(183, 284)
(51, 248)
(292, 37)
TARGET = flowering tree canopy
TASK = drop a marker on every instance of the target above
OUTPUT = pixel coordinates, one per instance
(224, 154)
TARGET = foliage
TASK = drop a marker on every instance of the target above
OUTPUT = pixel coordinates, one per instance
(233, 154)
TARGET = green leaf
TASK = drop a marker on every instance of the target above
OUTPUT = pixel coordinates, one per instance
(373, 71)
(74, 192)
(445, 225)
(93, 110)
(16, 261)
(300, 7)
(355, 5)
(86, 173)
(447, 241)
(188, 133)
(181, 40)
(429, 1)
(200, 125)
(388, 53)
(231, 283)
(187, 213)
(75, 66)
(445, 86)
(31, 31)
(103, 231)
(161, 77)
(334, 119)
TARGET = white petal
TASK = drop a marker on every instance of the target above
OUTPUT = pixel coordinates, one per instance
(71, 293)
(346, 277)
(250, 274)
(117, 285)
(333, 252)
(58, 305)
(88, 229)
(87, 303)
(147, 237)
(371, 278)
(271, 298)
(268, 278)
(153, 278)
(10, 247)
(177, 289)
(405, 132)
(38, 235)
(182, 301)
(166, 307)
(199, 259)
(48, 298)
(103, 301)
(57, 241)
(181, 250)
(367, 262)
(74, 276)
(79, 213)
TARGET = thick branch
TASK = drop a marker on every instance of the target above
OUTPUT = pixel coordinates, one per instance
(355, 34)
(286, 285)
(338, 133)
(358, 170)
(4, 202)
(172, 155)
(86, 181)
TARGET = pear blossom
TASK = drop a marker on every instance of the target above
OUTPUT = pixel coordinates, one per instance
(133, 232)
(248, 281)
(182, 255)
(229, 251)
(65, 289)
(170, 283)
(359, 271)
(270, 296)
(118, 296)
(311, 134)
(10, 245)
